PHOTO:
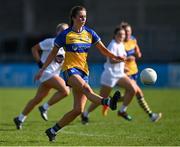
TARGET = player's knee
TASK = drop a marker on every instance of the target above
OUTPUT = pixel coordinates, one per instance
(132, 90)
(87, 90)
(66, 92)
(139, 95)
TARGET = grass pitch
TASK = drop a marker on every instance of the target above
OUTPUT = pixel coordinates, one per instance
(101, 131)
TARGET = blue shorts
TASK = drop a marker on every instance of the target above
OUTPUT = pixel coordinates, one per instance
(134, 77)
(72, 71)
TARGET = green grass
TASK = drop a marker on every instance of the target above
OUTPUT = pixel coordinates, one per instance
(101, 131)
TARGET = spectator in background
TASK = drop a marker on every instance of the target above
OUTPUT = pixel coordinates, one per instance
(77, 40)
(50, 78)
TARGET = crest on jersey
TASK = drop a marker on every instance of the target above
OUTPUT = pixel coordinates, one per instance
(74, 47)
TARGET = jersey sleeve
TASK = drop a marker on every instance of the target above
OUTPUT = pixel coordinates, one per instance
(134, 38)
(124, 50)
(60, 40)
(95, 37)
(46, 44)
(135, 41)
(111, 48)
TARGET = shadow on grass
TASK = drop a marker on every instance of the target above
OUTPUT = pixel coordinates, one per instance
(7, 129)
(30, 143)
(7, 124)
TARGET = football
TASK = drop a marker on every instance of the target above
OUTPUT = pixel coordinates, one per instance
(148, 76)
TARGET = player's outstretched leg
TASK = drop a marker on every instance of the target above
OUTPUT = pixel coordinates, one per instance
(112, 103)
(154, 117)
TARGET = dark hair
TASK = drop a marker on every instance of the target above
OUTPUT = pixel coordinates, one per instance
(116, 30)
(74, 12)
(124, 25)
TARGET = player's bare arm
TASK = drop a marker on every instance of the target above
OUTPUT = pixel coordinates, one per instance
(138, 52)
(107, 53)
(130, 58)
(126, 69)
(49, 59)
(36, 54)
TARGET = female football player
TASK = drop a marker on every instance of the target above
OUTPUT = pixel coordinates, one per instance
(77, 40)
(133, 52)
(113, 75)
(49, 79)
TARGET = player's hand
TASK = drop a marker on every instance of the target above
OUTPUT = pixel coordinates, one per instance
(120, 58)
(39, 74)
(126, 69)
(131, 58)
(138, 55)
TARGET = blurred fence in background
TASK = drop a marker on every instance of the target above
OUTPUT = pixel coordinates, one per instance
(155, 24)
(21, 75)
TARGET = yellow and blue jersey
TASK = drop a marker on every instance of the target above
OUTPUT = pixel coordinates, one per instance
(76, 46)
(130, 46)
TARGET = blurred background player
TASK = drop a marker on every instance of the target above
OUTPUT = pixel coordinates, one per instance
(113, 75)
(50, 78)
(133, 52)
(77, 40)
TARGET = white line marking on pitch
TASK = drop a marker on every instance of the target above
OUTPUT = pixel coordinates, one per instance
(98, 135)
(85, 134)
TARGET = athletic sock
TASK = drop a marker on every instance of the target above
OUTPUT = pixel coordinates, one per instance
(123, 108)
(46, 106)
(85, 114)
(22, 117)
(55, 129)
(144, 105)
(105, 101)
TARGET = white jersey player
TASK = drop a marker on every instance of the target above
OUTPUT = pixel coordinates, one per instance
(113, 71)
(55, 66)
(50, 79)
(113, 75)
